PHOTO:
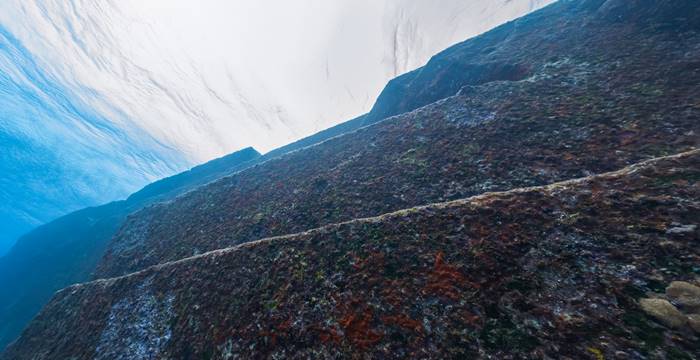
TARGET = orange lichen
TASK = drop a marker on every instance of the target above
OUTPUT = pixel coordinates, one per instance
(329, 335)
(446, 280)
(471, 319)
(392, 293)
(374, 259)
(403, 321)
(357, 328)
(280, 330)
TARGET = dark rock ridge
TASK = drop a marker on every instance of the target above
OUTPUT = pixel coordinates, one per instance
(557, 271)
(511, 51)
(66, 251)
(175, 185)
(566, 92)
(321, 136)
(579, 88)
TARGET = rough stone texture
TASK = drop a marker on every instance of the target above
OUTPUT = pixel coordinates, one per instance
(664, 311)
(559, 94)
(508, 53)
(138, 327)
(558, 272)
(694, 322)
(545, 272)
(66, 251)
(686, 295)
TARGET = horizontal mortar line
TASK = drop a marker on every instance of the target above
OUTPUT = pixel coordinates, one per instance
(302, 149)
(630, 169)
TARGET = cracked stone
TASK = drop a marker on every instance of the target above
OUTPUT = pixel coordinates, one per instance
(685, 294)
(664, 311)
(694, 322)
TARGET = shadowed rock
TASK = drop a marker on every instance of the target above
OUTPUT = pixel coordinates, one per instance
(554, 271)
(664, 311)
(558, 94)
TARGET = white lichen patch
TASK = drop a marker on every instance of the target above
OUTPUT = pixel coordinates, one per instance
(569, 71)
(138, 326)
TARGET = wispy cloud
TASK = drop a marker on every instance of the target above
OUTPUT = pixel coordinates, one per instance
(101, 96)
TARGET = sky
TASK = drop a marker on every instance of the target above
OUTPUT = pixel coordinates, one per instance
(100, 97)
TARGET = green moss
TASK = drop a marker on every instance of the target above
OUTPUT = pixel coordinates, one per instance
(668, 181)
(375, 234)
(647, 89)
(521, 285)
(677, 354)
(413, 157)
(634, 291)
(320, 276)
(656, 286)
(502, 333)
(392, 270)
(470, 149)
(651, 335)
(271, 305)
(208, 354)
(674, 267)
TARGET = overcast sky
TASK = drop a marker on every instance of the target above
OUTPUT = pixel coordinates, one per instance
(100, 97)
(211, 76)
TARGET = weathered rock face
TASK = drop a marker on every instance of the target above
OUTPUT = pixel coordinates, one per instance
(694, 322)
(565, 93)
(686, 295)
(679, 306)
(555, 271)
(509, 52)
(67, 250)
(664, 311)
(560, 271)
(669, 13)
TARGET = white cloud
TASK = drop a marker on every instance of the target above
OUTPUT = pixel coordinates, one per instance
(208, 77)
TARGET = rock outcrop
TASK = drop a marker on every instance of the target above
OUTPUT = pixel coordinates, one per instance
(545, 272)
(67, 250)
(486, 248)
(591, 95)
(664, 311)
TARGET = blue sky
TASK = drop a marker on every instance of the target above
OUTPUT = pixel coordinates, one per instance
(100, 97)
(58, 154)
